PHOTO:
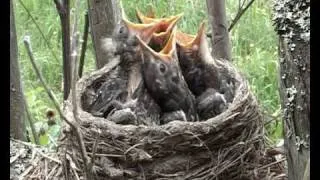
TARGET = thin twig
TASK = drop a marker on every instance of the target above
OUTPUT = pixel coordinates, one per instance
(94, 149)
(273, 163)
(239, 14)
(22, 175)
(51, 95)
(14, 158)
(53, 141)
(48, 157)
(231, 163)
(31, 123)
(34, 147)
(45, 168)
(41, 33)
(74, 59)
(52, 171)
(84, 44)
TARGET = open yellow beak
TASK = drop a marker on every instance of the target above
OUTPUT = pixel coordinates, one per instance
(167, 53)
(185, 40)
(145, 19)
(144, 31)
(165, 29)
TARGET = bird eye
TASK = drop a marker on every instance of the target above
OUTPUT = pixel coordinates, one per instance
(121, 30)
(162, 68)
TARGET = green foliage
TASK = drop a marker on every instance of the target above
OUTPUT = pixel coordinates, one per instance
(254, 48)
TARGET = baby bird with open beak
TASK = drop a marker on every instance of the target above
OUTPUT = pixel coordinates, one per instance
(202, 74)
(124, 87)
(164, 81)
(161, 36)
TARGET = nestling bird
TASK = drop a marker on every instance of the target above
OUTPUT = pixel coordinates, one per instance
(202, 74)
(150, 18)
(197, 65)
(127, 89)
(210, 104)
(121, 82)
(164, 80)
(161, 36)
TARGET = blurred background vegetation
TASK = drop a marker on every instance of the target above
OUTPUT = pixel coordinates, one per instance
(254, 49)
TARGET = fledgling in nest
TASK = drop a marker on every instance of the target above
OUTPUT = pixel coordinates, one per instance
(124, 44)
(161, 36)
(146, 19)
(202, 74)
(137, 98)
(164, 80)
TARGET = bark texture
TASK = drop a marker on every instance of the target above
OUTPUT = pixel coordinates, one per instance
(292, 21)
(103, 17)
(63, 8)
(221, 46)
(17, 127)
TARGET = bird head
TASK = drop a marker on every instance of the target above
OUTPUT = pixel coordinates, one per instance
(184, 38)
(192, 44)
(194, 50)
(165, 29)
(167, 54)
(143, 31)
(163, 78)
(160, 68)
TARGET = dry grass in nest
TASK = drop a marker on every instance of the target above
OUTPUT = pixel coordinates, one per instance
(228, 146)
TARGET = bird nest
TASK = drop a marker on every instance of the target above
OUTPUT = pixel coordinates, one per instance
(227, 146)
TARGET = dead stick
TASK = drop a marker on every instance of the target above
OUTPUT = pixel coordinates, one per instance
(33, 130)
(74, 126)
(273, 163)
(74, 58)
(51, 95)
(84, 44)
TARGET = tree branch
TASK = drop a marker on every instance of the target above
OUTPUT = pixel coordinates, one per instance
(74, 126)
(74, 59)
(239, 14)
(84, 44)
(31, 123)
(63, 9)
(221, 45)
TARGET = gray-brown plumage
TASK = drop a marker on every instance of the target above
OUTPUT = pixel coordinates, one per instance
(197, 65)
(115, 85)
(140, 110)
(210, 103)
(116, 94)
(203, 75)
(164, 80)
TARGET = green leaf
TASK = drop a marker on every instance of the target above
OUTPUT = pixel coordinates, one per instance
(44, 139)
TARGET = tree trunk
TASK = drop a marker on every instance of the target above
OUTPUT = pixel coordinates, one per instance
(103, 17)
(221, 46)
(292, 21)
(17, 127)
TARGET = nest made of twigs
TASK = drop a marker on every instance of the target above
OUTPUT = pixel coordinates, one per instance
(228, 146)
